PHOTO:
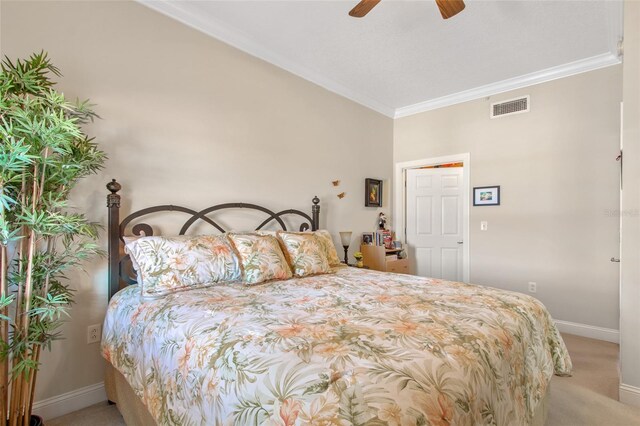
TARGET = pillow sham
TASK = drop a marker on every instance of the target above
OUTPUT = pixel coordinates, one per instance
(168, 264)
(325, 240)
(261, 257)
(306, 254)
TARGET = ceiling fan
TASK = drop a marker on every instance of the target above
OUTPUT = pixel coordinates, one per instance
(448, 8)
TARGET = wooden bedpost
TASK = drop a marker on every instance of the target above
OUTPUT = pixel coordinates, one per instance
(315, 213)
(113, 236)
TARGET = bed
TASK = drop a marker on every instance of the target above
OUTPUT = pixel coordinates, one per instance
(347, 347)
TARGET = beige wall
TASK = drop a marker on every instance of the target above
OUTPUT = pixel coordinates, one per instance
(558, 179)
(189, 120)
(630, 289)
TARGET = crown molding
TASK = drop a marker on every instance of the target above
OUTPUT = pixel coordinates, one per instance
(233, 37)
(549, 74)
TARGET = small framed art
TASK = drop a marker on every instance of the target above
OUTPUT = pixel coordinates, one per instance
(486, 196)
(372, 193)
(367, 238)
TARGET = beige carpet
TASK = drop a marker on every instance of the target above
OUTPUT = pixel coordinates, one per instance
(589, 398)
(101, 414)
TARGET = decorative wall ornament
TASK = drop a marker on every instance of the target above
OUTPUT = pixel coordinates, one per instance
(486, 195)
(372, 192)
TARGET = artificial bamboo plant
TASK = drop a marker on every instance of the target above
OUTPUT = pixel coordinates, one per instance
(43, 155)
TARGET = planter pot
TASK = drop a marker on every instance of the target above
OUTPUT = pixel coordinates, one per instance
(36, 421)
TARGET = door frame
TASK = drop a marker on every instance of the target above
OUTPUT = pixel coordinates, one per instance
(400, 199)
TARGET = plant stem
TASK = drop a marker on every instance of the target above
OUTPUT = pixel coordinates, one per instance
(45, 156)
(20, 252)
(4, 336)
(16, 383)
(4, 329)
(21, 385)
(36, 358)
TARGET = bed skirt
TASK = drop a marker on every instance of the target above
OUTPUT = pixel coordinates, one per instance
(135, 413)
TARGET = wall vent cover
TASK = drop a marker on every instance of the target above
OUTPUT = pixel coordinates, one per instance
(511, 106)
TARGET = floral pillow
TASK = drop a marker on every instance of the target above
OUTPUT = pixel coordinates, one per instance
(261, 258)
(306, 253)
(167, 264)
(325, 240)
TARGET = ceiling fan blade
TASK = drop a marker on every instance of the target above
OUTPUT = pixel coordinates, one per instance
(449, 8)
(363, 8)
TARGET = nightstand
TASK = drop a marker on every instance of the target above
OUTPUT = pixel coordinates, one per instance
(383, 259)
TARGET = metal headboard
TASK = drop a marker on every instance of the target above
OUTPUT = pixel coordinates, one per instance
(119, 263)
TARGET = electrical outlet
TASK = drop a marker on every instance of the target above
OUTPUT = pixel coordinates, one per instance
(533, 287)
(94, 333)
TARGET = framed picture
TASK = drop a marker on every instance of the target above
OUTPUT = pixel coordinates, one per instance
(486, 196)
(367, 238)
(372, 193)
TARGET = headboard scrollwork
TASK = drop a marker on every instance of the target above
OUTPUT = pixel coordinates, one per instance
(118, 262)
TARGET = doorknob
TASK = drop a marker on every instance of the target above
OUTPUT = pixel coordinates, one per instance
(460, 242)
(613, 259)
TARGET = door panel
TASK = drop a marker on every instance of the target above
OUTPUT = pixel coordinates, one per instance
(450, 182)
(434, 227)
(424, 215)
(424, 267)
(423, 182)
(449, 264)
(450, 216)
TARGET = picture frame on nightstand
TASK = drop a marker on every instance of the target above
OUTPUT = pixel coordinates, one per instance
(367, 238)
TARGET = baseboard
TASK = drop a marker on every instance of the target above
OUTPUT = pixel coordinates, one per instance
(66, 403)
(630, 395)
(591, 331)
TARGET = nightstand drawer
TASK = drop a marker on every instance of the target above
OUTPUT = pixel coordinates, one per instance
(399, 266)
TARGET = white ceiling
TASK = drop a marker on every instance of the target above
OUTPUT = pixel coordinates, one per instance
(403, 58)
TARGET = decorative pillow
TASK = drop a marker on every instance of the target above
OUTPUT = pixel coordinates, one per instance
(306, 254)
(261, 232)
(325, 240)
(167, 264)
(261, 257)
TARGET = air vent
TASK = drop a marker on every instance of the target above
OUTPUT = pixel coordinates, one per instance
(511, 106)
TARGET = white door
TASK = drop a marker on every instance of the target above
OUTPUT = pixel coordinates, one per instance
(434, 221)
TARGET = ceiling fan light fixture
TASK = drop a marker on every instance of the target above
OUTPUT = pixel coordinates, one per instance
(448, 8)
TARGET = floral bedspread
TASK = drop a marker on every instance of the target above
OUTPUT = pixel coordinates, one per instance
(353, 347)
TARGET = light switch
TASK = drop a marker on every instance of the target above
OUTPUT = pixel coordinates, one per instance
(484, 225)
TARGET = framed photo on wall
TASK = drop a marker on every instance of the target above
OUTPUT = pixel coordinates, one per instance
(372, 193)
(486, 196)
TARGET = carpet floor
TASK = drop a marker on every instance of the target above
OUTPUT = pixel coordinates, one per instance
(588, 398)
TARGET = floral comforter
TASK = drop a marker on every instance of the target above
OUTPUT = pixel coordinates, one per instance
(353, 347)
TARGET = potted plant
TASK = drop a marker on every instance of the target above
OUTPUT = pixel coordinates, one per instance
(43, 154)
